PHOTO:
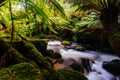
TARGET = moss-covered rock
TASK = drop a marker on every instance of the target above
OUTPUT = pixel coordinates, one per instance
(50, 75)
(77, 67)
(56, 56)
(71, 75)
(16, 57)
(50, 52)
(29, 51)
(22, 71)
(80, 48)
(41, 46)
(68, 43)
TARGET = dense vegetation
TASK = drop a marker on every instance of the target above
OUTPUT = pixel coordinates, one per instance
(25, 25)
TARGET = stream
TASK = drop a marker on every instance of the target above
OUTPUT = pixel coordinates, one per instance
(93, 60)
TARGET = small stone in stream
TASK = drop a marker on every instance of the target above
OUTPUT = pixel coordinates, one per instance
(80, 48)
(67, 43)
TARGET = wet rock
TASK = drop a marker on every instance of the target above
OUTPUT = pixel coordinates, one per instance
(86, 64)
(57, 56)
(80, 48)
(112, 66)
(50, 52)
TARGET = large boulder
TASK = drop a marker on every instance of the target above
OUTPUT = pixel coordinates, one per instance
(30, 52)
(22, 71)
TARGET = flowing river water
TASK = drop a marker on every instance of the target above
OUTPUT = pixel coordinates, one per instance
(95, 58)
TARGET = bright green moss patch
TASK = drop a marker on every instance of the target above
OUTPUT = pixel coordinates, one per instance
(68, 43)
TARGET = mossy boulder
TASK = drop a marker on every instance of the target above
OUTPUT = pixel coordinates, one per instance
(41, 46)
(50, 74)
(56, 56)
(70, 75)
(67, 43)
(77, 67)
(16, 57)
(22, 71)
(30, 52)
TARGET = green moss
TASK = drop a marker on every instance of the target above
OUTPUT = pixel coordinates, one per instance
(50, 74)
(16, 57)
(50, 52)
(56, 56)
(71, 75)
(49, 60)
(29, 51)
(32, 53)
(41, 46)
(77, 67)
(68, 43)
(22, 71)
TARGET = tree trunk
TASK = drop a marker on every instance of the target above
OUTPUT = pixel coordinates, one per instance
(112, 29)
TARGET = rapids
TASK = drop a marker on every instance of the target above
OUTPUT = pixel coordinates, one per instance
(95, 58)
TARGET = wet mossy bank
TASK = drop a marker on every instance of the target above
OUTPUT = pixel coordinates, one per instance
(25, 60)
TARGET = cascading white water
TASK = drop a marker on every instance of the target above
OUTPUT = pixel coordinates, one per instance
(97, 73)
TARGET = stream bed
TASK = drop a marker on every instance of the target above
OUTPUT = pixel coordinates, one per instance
(93, 69)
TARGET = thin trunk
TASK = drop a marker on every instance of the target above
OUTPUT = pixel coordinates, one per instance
(10, 8)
